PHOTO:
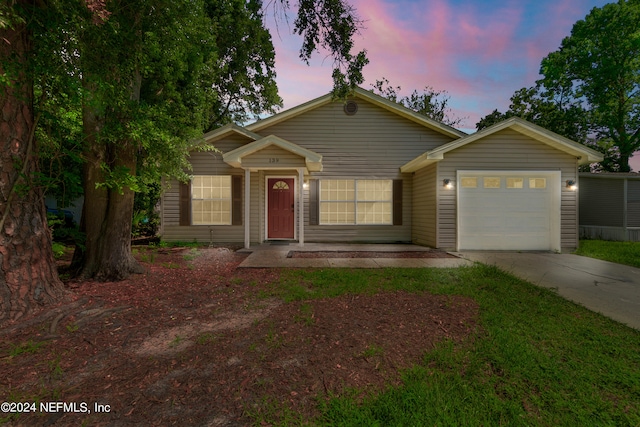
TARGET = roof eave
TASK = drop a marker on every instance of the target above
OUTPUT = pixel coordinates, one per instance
(408, 114)
(420, 162)
(290, 113)
(226, 130)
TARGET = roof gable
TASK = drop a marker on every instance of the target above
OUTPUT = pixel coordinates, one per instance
(234, 158)
(369, 96)
(227, 130)
(585, 155)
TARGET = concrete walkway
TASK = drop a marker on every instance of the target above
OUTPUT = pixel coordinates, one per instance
(604, 287)
(269, 255)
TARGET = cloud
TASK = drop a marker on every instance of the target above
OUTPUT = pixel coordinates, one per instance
(481, 53)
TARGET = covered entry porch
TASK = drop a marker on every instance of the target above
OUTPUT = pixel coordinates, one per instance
(276, 201)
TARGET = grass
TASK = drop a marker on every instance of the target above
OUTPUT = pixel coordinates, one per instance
(627, 253)
(193, 254)
(536, 359)
(58, 249)
(26, 348)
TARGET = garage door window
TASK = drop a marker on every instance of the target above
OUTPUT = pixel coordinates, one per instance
(515, 182)
(491, 182)
(469, 182)
(537, 183)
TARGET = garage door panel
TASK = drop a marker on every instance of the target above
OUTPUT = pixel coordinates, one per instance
(509, 218)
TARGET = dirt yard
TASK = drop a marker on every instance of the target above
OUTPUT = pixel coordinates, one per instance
(195, 341)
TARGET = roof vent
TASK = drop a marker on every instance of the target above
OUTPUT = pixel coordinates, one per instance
(350, 108)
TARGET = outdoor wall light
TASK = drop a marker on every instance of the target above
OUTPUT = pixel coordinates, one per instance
(447, 184)
(571, 185)
(305, 185)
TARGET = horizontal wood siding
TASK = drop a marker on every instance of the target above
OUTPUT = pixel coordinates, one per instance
(271, 157)
(425, 206)
(601, 202)
(203, 163)
(372, 144)
(507, 150)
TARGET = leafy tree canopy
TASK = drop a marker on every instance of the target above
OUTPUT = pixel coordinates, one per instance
(431, 103)
(590, 89)
(545, 109)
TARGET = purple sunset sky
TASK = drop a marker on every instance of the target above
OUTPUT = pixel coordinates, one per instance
(480, 52)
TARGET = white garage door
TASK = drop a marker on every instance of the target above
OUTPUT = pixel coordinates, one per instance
(508, 210)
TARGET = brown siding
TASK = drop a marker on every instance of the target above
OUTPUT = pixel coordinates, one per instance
(425, 206)
(507, 150)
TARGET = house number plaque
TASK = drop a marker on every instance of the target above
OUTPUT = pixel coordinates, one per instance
(274, 160)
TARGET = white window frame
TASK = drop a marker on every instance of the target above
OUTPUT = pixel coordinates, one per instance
(355, 202)
(229, 199)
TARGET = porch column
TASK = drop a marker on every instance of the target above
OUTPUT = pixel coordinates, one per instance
(247, 208)
(301, 207)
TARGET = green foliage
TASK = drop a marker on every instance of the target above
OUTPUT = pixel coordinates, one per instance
(59, 137)
(431, 103)
(244, 73)
(125, 90)
(619, 252)
(544, 108)
(58, 249)
(28, 347)
(590, 90)
(329, 26)
(599, 64)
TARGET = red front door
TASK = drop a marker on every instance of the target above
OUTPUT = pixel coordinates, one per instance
(280, 208)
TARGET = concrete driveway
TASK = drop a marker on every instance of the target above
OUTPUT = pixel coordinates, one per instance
(605, 287)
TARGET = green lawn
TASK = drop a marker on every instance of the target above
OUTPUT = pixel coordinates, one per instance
(621, 252)
(536, 359)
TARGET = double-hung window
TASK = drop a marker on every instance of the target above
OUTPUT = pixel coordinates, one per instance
(362, 201)
(211, 200)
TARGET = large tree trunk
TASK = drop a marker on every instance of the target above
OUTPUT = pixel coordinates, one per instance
(28, 275)
(107, 216)
(107, 213)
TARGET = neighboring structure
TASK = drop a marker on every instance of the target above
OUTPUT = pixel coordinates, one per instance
(370, 170)
(610, 206)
